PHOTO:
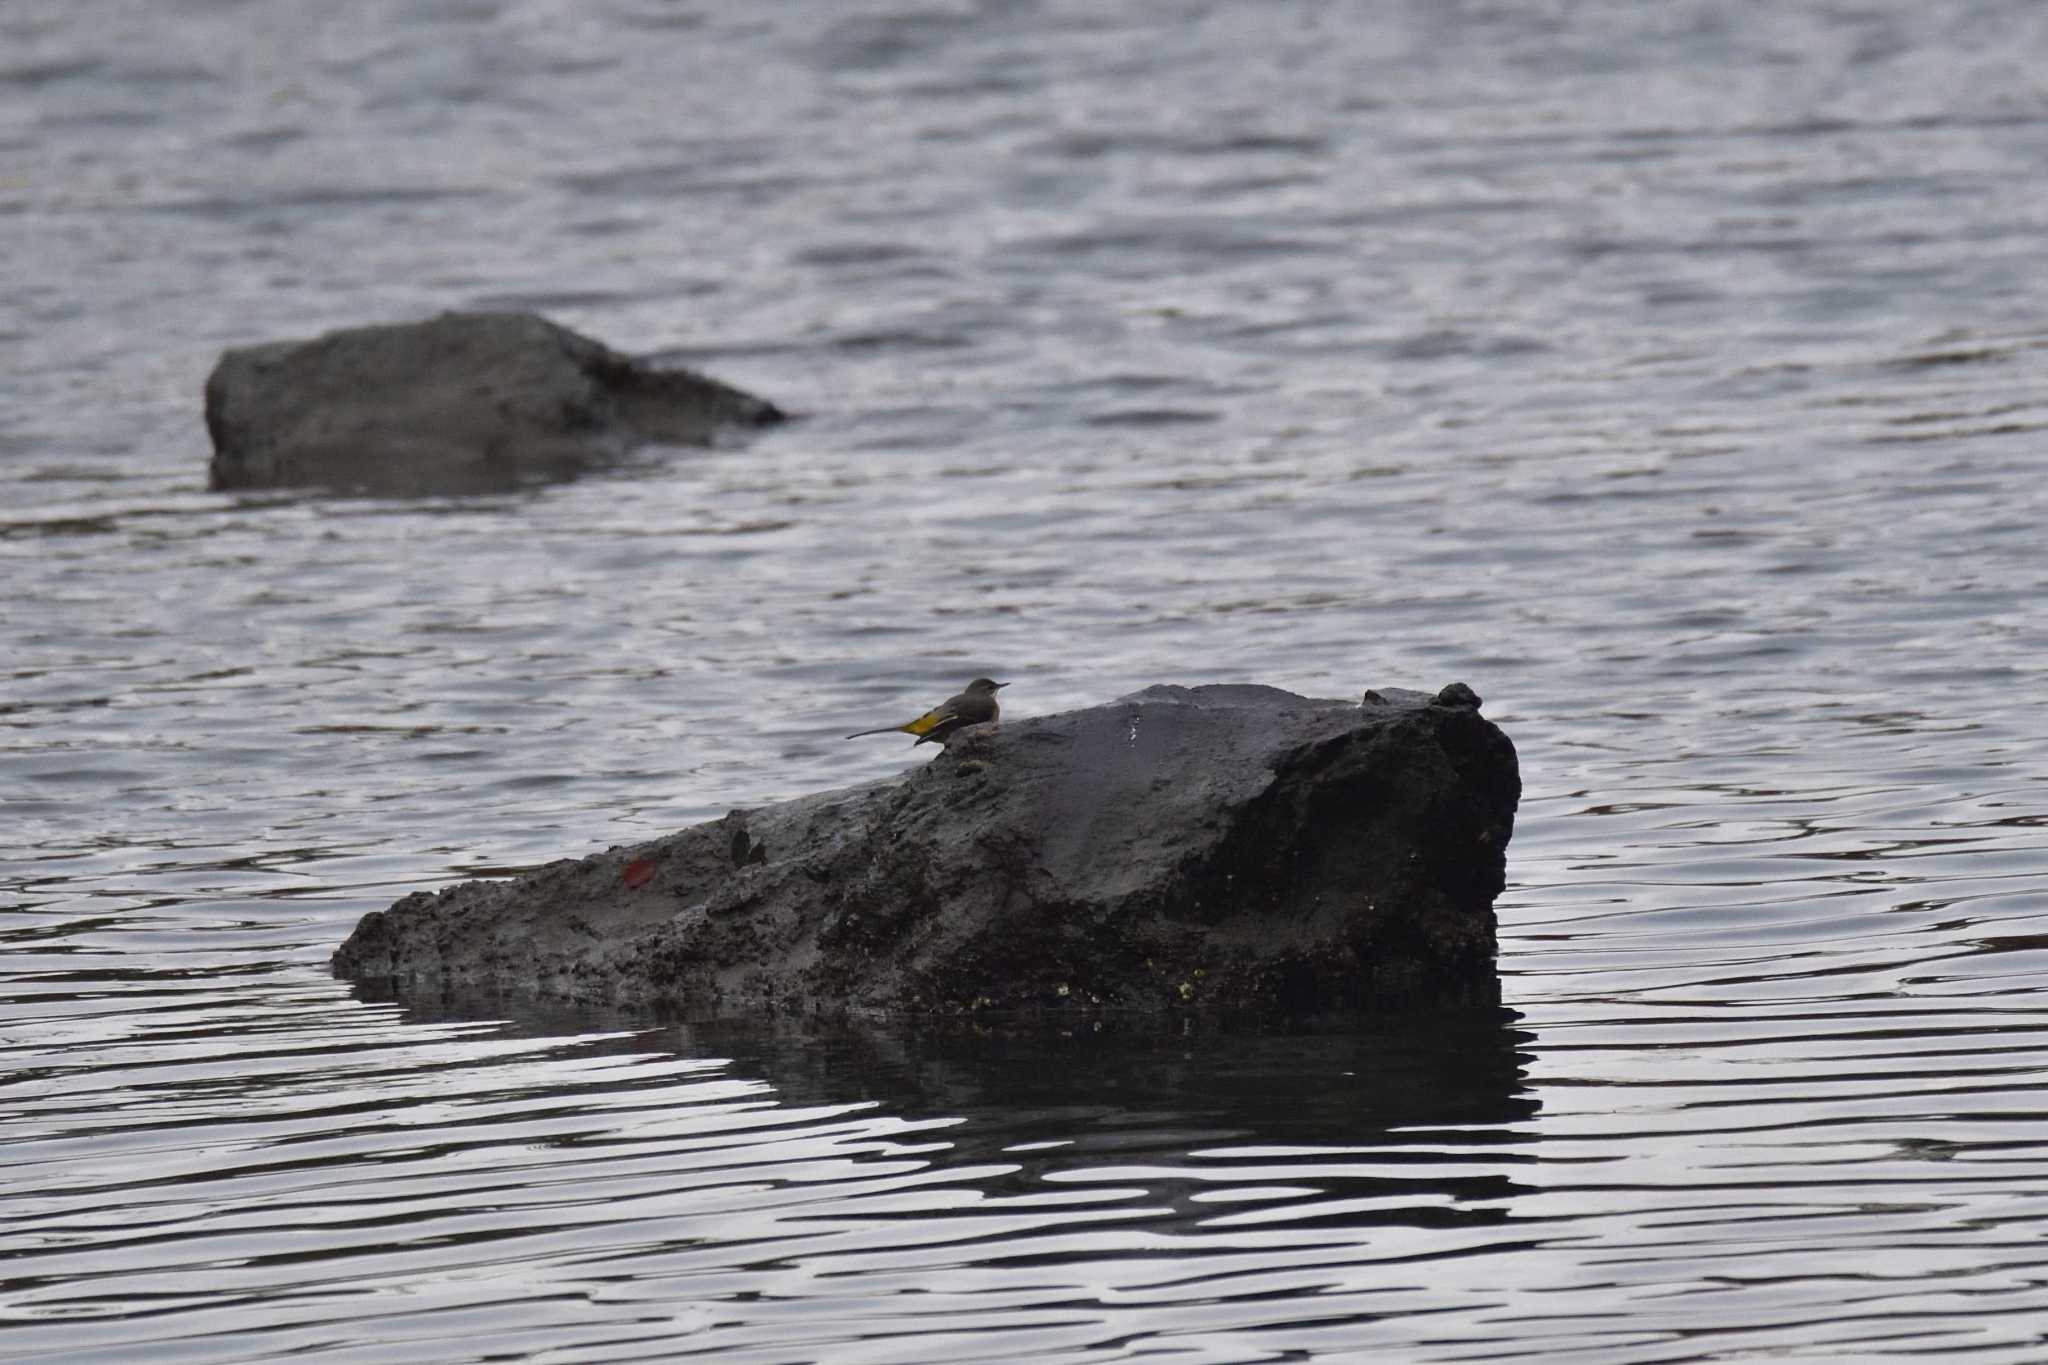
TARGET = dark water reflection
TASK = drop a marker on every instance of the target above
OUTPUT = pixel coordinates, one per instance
(1359, 1084)
(837, 1190)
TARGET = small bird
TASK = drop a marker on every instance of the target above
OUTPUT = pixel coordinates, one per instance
(975, 706)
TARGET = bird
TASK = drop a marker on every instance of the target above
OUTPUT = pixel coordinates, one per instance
(975, 705)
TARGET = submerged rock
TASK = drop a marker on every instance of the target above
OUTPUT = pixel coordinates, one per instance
(1225, 847)
(461, 402)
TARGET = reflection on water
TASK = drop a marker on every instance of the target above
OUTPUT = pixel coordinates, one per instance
(712, 1187)
(1222, 1078)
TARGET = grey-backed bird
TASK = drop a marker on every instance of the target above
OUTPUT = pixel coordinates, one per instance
(975, 706)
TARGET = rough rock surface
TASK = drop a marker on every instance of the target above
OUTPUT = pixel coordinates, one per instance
(460, 402)
(1226, 847)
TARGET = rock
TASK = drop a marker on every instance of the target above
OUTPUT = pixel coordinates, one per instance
(1211, 847)
(463, 402)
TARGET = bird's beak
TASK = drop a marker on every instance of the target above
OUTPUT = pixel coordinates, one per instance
(1001, 686)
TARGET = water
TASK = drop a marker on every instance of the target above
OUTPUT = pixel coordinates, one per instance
(1674, 375)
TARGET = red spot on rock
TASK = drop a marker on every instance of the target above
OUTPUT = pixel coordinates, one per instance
(638, 873)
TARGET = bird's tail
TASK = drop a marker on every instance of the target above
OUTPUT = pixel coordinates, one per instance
(885, 730)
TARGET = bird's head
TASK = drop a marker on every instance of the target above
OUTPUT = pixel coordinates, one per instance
(985, 685)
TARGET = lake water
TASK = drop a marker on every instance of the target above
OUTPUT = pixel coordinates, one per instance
(1675, 375)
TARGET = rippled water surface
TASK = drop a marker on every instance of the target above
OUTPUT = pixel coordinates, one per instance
(1675, 375)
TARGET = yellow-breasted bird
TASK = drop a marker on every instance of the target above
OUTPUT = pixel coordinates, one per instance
(975, 706)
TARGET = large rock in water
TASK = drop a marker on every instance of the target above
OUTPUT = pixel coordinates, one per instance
(464, 401)
(1214, 846)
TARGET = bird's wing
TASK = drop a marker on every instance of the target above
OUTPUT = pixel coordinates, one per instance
(930, 720)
